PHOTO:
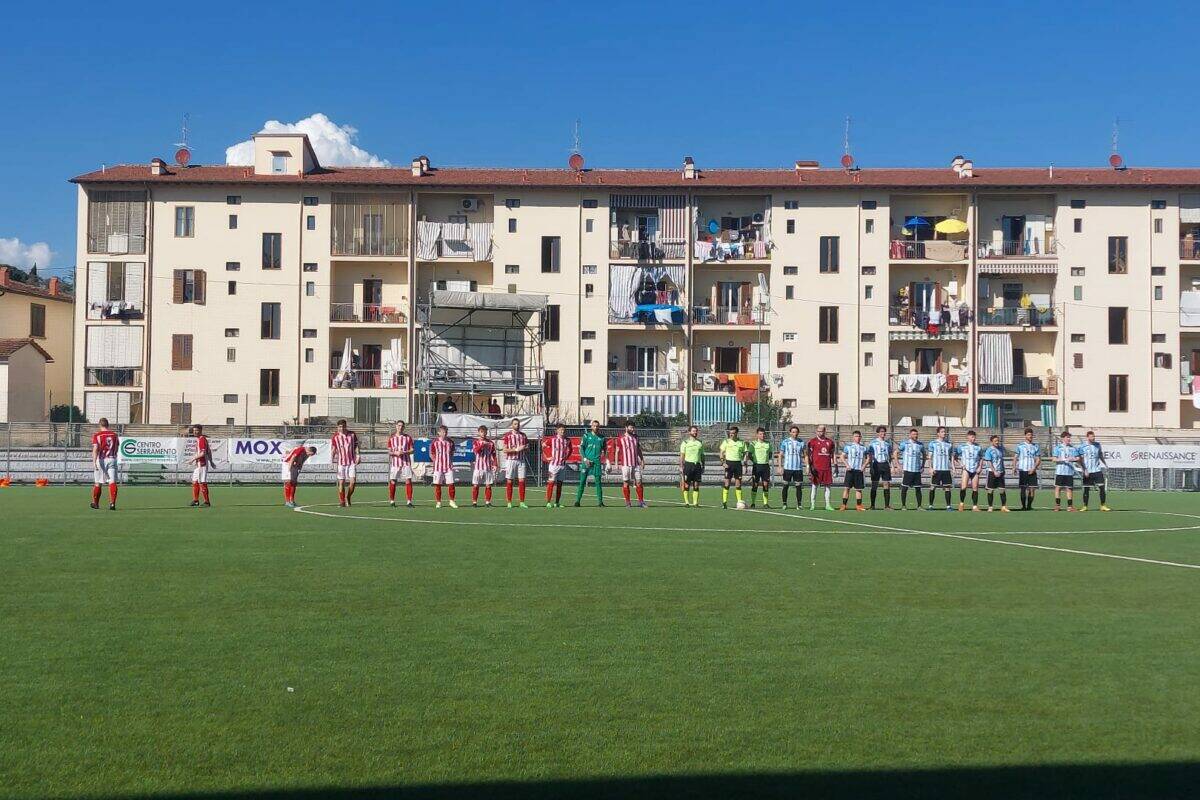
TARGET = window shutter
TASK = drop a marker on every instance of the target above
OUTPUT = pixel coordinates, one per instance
(630, 358)
(135, 277)
(181, 351)
(199, 294)
(177, 291)
(97, 282)
(780, 360)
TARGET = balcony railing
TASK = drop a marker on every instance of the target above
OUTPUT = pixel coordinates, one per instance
(366, 312)
(113, 376)
(648, 251)
(706, 315)
(932, 249)
(366, 379)
(369, 225)
(916, 318)
(928, 383)
(718, 382)
(115, 310)
(1189, 248)
(644, 380)
(1024, 317)
(747, 249)
(460, 241)
(1018, 248)
(1023, 384)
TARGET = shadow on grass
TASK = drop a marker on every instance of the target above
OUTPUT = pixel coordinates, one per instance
(1124, 781)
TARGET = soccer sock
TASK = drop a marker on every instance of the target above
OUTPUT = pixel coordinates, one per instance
(785, 492)
(737, 493)
(1087, 494)
(1103, 495)
(695, 497)
(1057, 501)
(625, 491)
(765, 501)
(1003, 498)
(948, 495)
(392, 491)
(962, 495)
(1070, 501)
(724, 494)
(195, 492)
(508, 491)
(887, 497)
(641, 493)
(684, 491)
(874, 494)
(408, 491)
(599, 490)
(96, 493)
(904, 497)
(474, 492)
(204, 491)
(826, 495)
(975, 497)
(919, 496)
(112, 493)
(558, 491)
(450, 489)
(487, 493)
(990, 496)
(521, 489)
(437, 492)
(341, 495)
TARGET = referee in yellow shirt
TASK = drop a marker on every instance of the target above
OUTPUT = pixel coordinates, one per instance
(691, 466)
(760, 466)
(733, 455)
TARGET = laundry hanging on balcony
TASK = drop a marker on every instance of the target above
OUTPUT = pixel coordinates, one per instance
(464, 240)
(996, 359)
(671, 208)
(640, 290)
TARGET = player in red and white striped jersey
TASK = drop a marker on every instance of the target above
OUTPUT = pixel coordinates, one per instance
(516, 445)
(558, 453)
(104, 463)
(484, 471)
(441, 453)
(631, 461)
(202, 461)
(400, 449)
(344, 447)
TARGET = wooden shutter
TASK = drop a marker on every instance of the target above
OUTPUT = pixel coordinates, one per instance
(177, 289)
(630, 358)
(198, 294)
(181, 351)
(743, 359)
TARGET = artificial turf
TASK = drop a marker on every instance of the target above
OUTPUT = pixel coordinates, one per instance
(163, 650)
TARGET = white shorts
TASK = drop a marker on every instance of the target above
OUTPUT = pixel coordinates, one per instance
(105, 471)
(443, 477)
(345, 472)
(200, 474)
(483, 477)
(289, 473)
(514, 468)
(554, 469)
(631, 474)
(401, 473)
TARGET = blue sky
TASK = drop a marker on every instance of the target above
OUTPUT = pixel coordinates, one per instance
(731, 84)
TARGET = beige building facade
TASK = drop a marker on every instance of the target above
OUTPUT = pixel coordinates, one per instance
(44, 312)
(286, 291)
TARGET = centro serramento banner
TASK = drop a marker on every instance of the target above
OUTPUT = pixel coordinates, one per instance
(273, 451)
(149, 450)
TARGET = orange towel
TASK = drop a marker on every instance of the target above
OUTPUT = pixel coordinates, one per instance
(744, 381)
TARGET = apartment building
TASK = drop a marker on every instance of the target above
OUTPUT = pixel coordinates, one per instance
(42, 312)
(288, 290)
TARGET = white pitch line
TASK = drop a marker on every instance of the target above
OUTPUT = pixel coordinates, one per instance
(1065, 550)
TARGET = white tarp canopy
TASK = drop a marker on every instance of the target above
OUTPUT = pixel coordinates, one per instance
(463, 424)
(499, 301)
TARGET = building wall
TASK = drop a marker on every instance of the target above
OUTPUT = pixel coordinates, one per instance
(58, 341)
(24, 386)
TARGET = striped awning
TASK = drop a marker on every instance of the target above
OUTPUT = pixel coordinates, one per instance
(672, 212)
(917, 335)
(1018, 268)
(709, 409)
(627, 405)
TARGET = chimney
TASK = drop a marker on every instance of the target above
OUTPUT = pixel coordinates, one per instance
(3, 276)
(956, 164)
(54, 286)
(157, 166)
(807, 165)
(967, 170)
(418, 166)
(689, 168)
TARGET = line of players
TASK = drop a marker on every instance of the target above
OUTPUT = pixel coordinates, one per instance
(819, 457)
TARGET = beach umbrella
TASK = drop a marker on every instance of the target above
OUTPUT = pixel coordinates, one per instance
(951, 226)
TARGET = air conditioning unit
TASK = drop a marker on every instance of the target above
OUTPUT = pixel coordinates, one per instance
(706, 353)
(663, 381)
(470, 204)
(118, 243)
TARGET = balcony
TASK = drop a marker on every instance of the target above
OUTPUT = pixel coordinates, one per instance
(744, 385)
(1017, 317)
(1023, 384)
(720, 315)
(628, 380)
(366, 313)
(928, 250)
(1189, 248)
(369, 225)
(1018, 248)
(454, 241)
(366, 379)
(113, 376)
(749, 248)
(934, 383)
(635, 250)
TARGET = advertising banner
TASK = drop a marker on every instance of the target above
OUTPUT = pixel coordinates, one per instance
(1152, 456)
(273, 451)
(149, 450)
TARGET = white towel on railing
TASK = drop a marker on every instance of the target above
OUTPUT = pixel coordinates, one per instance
(428, 234)
(481, 241)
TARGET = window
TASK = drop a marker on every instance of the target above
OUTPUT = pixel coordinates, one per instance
(233, 266)
(1078, 225)
(116, 222)
(1118, 255)
(231, 287)
(1077, 293)
(512, 224)
(867, 337)
(185, 221)
(229, 398)
(791, 205)
(827, 391)
(268, 387)
(310, 266)
(829, 254)
(310, 200)
(868, 359)
(270, 321)
(587, 356)
(308, 333)
(512, 202)
(866, 404)
(827, 317)
(310, 355)
(1162, 360)
(1158, 338)
(589, 335)
(189, 287)
(585, 400)
(1078, 203)
(1077, 360)
(1158, 405)
(1158, 292)
(233, 199)
(1118, 325)
(868, 270)
(1158, 205)
(588, 226)
(310, 222)
(783, 359)
(279, 163)
(590, 202)
(233, 222)
(589, 290)
(868, 291)
(1078, 405)
(869, 225)
(789, 336)
(1158, 225)
(791, 270)
(1078, 337)
(551, 253)
(310, 289)
(869, 205)
(550, 323)
(789, 402)
(272, 250)
(511, 269)
(308, 399)
(37, 320)
(1077, 272)
(1158, 271)
(789, 292)
(1118, 393)
(181, 413)
(232, 333)
(231, 354)
(589, 269)
(181, 351)
(791, 226)
(114, 283)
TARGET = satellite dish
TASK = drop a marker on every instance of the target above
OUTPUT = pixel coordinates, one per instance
(1115, 161)
(575, 162)
(847, 161)
(714, 227)
(183, 156)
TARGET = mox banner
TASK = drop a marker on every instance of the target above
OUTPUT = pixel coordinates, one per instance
(1152, 456)
(273, 451)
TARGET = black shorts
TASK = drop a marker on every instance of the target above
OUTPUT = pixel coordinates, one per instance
(1093, 479)
(881, 472)
(970, 476)
(911, 479)
(692, 473)
(761, 472)
(854, 479)
(1065, 481)
(995, 481)
(733, 470)
(1027, 480)
(942, 477)
(793, 476)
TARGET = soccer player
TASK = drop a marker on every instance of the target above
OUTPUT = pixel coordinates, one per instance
(733, 455)
(441, 454)
(820, 466)
(760, 466)
(1091, 454)
(791, 465)
(400, 448)
(911, 454)
(591, 453)
(941, 456)
(104, 464)
(691, 465)
(1029, 458)
(881, 466)
(560, 451)
(994, 456)
(631, 461)
(854, 456)
(292, 464)
(968, 455)
(516, 445)
(1065, 458)
(344, 446)
(484, 472)
(202, 460)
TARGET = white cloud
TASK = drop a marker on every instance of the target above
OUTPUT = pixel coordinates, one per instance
(333, 143)
(18, 254)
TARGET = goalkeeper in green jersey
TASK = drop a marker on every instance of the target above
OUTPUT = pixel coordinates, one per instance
(592, 459)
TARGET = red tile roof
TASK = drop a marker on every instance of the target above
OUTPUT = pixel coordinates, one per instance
(10, 346)
(10, 284)
(488, 177)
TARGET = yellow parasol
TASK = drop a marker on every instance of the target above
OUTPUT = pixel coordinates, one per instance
(949, 226)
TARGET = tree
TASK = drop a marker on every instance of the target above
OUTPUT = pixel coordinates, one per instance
(656, 419)
(66, 413)
(765, 412)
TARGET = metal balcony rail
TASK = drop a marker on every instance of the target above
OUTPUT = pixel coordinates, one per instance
(366, 312)
(626, 380)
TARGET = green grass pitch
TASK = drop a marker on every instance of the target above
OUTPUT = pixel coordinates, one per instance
(164, 651)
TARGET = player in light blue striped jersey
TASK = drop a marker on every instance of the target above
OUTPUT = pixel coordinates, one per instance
(881, 466)
(994, 457)
(912, 461)
(941, 457)
(969, 455)
(791, 465)
(1029, 458)
(854, 457)
(1091, 455)
(1066, 459)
